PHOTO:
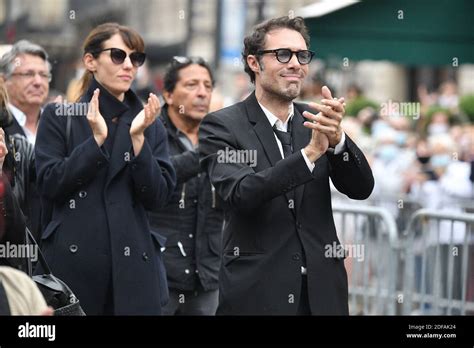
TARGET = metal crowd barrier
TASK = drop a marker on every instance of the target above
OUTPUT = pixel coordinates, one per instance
(439, 268)
(373, 270)
(426, 269)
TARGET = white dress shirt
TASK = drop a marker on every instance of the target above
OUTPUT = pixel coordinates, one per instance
(284, 127)
(21, 119)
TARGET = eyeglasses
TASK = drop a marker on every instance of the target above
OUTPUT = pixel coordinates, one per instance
(30, 74)
(118, 56)
(284, 55)
(188, 60)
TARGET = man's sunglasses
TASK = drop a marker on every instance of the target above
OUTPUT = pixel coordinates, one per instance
(118, 56)
(284, 55)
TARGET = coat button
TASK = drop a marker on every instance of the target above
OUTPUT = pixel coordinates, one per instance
(134, 166)
(83, 194)
(73, 248)
(186, 271)
(143, 189)
(296, 257)
(191, 235)
(99, 163)
(196, 271)
(195, 201)
(145, 257)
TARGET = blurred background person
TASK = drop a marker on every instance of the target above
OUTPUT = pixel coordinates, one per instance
(192, 221)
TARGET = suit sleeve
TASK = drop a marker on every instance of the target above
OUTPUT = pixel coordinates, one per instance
(237, 183)
(350, 172)
(58, 175)
(153, 175)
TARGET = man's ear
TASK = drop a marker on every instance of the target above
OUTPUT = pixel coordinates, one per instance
(89, 62)
(168, 97)
(253, 63)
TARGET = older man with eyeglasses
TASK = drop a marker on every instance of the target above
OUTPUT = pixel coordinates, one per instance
(27, 74)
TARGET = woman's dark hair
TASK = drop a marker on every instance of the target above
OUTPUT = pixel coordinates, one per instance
(256, 40)
(93, 44)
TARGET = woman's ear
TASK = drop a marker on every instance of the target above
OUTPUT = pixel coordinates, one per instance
(89, 62)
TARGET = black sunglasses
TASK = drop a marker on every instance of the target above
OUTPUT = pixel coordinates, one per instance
(118, 56)
(284, 55)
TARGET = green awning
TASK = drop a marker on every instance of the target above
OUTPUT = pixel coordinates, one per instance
(430, 33)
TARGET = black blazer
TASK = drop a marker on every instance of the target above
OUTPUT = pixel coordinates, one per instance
(264, 235)
(98, 239)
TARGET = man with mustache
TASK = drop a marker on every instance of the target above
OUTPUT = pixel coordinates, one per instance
(192, 221)
(278, 216)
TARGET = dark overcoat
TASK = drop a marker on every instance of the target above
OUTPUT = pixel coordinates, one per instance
(98, 238)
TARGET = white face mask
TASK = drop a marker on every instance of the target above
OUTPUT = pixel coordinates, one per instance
(438, 128)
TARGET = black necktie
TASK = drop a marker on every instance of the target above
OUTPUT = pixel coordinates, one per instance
(285, 139)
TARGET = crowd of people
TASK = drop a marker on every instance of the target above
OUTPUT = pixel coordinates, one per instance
(138, 215)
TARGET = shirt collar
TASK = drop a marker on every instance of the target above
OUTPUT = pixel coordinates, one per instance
(18, 114)
(275, 120)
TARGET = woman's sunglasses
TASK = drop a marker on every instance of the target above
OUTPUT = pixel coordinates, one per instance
(118, 56)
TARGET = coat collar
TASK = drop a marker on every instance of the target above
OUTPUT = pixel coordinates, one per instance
(126, 111)
(110, 106)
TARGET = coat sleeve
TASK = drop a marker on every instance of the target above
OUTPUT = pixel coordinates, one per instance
(58, 175)
(237, 183)
(350, 172)
(154, 178)
(186, 165)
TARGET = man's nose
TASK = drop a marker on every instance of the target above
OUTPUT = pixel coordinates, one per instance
(39, 80)
(294, 63)
(202, 91)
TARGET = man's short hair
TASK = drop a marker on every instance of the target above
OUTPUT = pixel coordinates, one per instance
(8, 63)
(256, 40)
(178, 63)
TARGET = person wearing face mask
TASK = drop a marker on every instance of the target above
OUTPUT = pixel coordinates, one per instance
(439, 123)
(101, 163)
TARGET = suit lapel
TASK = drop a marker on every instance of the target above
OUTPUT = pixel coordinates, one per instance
(262, 129)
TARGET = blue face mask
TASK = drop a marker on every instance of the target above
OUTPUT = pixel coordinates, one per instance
(388, 152)
(440, 160)
(401, 138)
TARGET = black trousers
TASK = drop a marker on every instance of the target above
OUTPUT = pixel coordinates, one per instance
(303, 306)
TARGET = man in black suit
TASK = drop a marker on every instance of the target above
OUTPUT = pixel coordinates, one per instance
(272, 167)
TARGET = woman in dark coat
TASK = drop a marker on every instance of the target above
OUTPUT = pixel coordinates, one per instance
(97, 178)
